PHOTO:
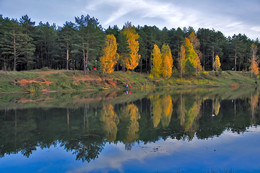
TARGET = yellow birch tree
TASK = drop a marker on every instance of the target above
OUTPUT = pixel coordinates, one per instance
(156, 61)
(217, 64)
(192, 56)
(254, 65)
(196, 44)
(167, 61)
(110, 57)
(132, 37)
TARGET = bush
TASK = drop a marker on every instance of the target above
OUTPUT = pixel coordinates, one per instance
(34, 87)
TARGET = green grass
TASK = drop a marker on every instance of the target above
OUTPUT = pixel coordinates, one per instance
(71, 81)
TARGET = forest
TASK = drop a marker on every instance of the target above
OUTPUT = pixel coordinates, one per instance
(85, 45)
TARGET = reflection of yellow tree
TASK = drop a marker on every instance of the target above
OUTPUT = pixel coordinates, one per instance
(132, 112)
(167, 110)
(181, 111)
(254, 104)
(110, 121)
(191, 115)
(216, 106)
(156, 110)
(161, 108)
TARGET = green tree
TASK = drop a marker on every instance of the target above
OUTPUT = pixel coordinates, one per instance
(189, 68)
(15, 45)
(90, 40)
(66, 35)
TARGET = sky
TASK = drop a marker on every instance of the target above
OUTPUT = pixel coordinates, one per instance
(228, 16)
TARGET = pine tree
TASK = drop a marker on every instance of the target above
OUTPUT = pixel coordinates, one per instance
(189, 68)
(15, 45)
(167, 61)
(66, 36)
(110, 57)
(156, 62)
(91, 37)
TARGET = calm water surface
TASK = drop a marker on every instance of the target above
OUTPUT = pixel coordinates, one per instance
(196, 130)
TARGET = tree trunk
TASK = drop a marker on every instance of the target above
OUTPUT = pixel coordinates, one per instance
(67, 66)
(213, 58)
(84, 60)
(87, 58)
(14, 45)
(235, 60)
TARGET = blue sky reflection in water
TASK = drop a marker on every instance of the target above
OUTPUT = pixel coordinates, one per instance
(239, 152)
(161, 132)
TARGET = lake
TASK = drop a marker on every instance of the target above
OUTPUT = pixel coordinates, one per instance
(191, 130)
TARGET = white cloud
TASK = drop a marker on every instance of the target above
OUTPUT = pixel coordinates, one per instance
(172, 15)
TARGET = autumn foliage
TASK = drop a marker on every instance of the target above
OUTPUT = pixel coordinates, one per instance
(254, 65)
(110, 57)
(110, 121)
(217, 63)
(156, 61)
(161, 108)
(162, 62)
(167, 61)
(192, 56)
(133, 60)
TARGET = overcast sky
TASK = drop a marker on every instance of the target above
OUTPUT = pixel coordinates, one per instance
(228, 16)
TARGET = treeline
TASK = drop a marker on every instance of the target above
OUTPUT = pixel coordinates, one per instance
(85, 45)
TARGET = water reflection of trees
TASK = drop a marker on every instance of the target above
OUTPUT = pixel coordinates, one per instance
(84, 131)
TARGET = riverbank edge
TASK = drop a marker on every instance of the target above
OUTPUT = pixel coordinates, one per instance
(75, 81)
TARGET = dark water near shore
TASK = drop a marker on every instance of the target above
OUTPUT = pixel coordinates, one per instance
(196, 130)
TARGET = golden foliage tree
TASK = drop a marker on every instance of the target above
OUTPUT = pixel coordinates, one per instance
(167, 61)
(110, 57)
(217, 64)
(181, 60)
(192, 56)
(156, 61)
(254, 65)
(130, 32)
(196, 44)
(110, 121)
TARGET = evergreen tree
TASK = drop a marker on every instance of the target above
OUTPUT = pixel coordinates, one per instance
(91, 38)
(189, 68)
(66, 35)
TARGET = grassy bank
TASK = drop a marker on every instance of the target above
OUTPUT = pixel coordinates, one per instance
(71, 81)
